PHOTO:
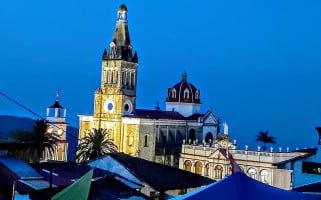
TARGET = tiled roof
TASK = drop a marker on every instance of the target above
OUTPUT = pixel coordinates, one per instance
(66, 172)
(179, 90)
(56, 105)
(26, 178)
(194, 116)
(158, 176)
(161, 114)
(105, 185)
(20, 168)
(156, 114)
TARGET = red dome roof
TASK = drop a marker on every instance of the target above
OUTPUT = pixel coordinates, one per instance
(184, 92)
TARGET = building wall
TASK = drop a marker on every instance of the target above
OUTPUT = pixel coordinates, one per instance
(279, 175)
(147, 141)
(209, 161)
(303, 176)
(186, 109)
(130, 139)
(161, 141)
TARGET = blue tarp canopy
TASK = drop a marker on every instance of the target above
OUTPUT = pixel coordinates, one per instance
(239, 186)
(20, 168)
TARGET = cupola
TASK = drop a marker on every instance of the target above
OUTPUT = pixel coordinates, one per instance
(183, 92)
(183, 97)
(56, 112)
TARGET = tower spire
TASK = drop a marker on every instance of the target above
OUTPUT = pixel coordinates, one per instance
(57, 95)
(184, 76)
(120, 46)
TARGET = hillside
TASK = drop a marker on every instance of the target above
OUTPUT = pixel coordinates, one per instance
(9, 124)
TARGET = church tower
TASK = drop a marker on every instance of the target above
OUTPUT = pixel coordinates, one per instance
(117, 93)
(57, 126)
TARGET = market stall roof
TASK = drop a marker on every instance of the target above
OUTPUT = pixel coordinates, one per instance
(239, 186)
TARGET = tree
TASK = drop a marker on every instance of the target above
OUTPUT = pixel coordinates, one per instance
(36, 142)
(44, 141)
(96, 144)
(263, 136)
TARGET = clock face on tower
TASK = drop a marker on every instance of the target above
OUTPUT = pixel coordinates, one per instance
(128, 107)
(109, 105)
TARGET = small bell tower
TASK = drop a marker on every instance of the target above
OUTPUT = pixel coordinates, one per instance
(57, 126)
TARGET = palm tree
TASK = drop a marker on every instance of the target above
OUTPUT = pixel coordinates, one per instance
(96, 144)
(263, 136)
(43, 140)
(35, 142)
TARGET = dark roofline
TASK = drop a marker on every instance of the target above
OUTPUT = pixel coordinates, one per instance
(310, 187)
(15, 145)
(56, 105)
(160, 177)
(161, 114)
(310, 152)
(60, 165)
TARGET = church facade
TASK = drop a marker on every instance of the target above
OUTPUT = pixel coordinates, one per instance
(155, 135)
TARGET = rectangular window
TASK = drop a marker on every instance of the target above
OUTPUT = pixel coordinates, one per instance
(146, 141)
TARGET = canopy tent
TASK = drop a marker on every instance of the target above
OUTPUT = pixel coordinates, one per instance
(239, 186)
(78, 190)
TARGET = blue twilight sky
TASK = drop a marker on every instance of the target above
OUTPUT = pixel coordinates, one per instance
(257, 63)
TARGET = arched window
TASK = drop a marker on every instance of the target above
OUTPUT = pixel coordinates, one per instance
(115, 77)
(207, 168)
(130, 139)
(208, 137)
(123, 78)
(59, 154)
(197, 94)
(188, 165)
(146, 141)
(112, 49)
(108, 77)
(198, 168)
(105, 76)
(192, 135)
(252, 173)
(186, 94)
(230, 170)
(264, 176)
(218, 172)
(127, 78)
(174, 93)
(111, 77)
(132, 80)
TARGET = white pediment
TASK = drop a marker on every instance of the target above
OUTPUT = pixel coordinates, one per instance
(217, 155)
(210, 118)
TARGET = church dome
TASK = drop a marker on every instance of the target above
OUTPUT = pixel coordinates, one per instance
(183, 92)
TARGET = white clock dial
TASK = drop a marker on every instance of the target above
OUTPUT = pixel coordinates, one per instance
(128, 107)
(109, 105)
